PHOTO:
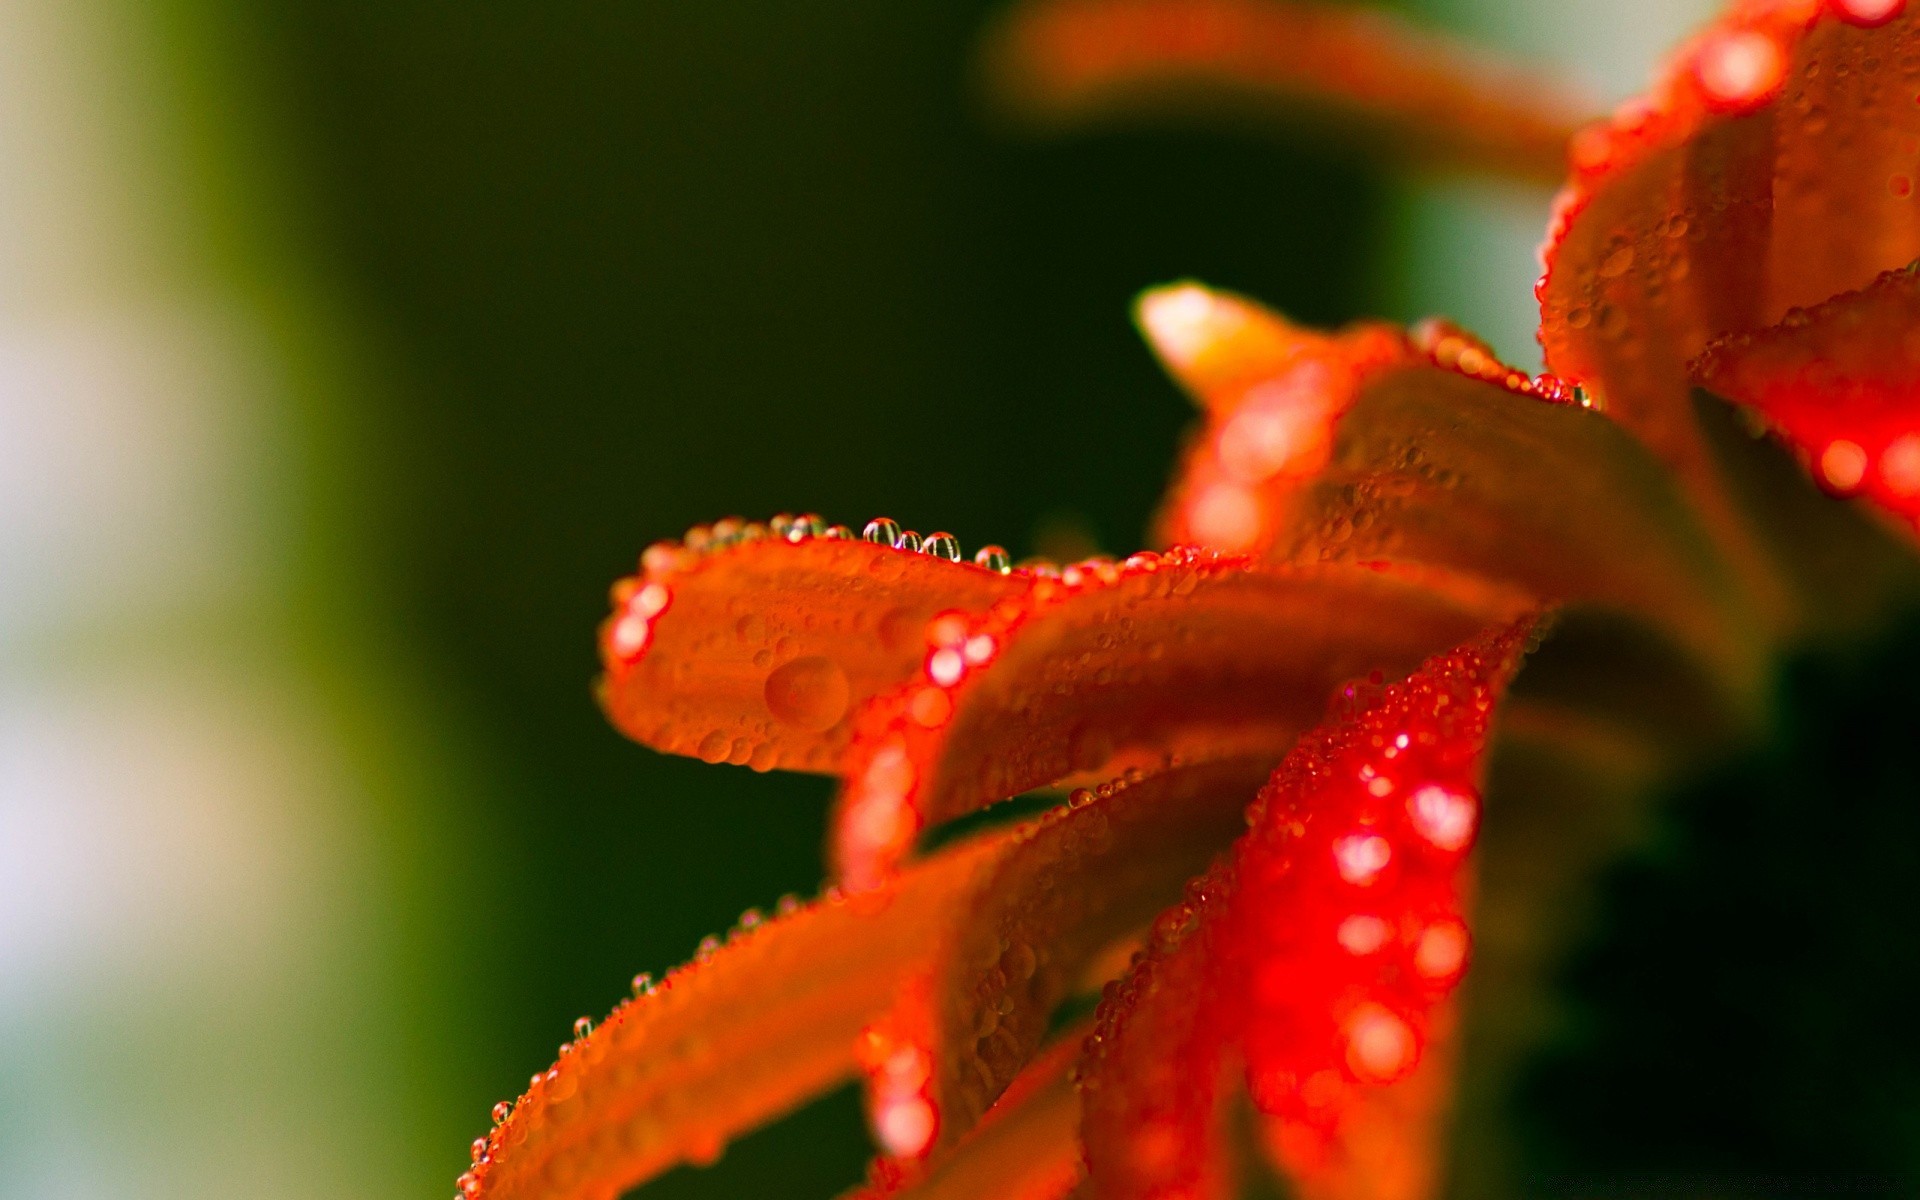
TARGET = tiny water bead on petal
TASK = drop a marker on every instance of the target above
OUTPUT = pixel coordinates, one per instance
(882, 531)
(1740, 70)
(908, 541)
(1443, 816)
(942, 545)
(994, 558)
(1361, 857)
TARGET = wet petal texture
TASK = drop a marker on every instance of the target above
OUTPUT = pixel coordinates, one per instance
(1840, 382)
(1026, 1148)
(1317, 960)
(744, 647)
(1066, 61)
(1370, 446)
(1086, 877)
(1189, 653)
(1771, 167)
(737, 1037)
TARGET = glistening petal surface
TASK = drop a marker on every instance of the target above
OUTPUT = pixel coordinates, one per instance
(1319, 956)
(1071, 885)
(756, 652)
(1772, 166)
(721, 1045)
(1841, 381)
(1187, 653)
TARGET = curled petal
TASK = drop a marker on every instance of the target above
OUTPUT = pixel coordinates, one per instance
(1320, 955)
(1188, 653)
(1078, 881)
(1841, 382)
(1066, 61)
(1372, 446)
(756, 651)
(729, 1041)
(1771, 167)
(1025, 1148)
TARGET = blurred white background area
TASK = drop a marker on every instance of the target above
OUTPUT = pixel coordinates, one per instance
(196, 981)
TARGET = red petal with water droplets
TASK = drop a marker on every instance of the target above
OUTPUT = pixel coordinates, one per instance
(1080, 880)
(1771, 167)
(725, 1043)
(1066, 61)
(1189, 654)
(1372, 446)
(1841, 382)
(1025, 1148)
(1319, 956)
(757, 652)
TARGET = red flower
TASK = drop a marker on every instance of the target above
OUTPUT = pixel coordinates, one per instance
(1395, 508)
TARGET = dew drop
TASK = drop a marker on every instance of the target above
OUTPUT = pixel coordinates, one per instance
(807, 525)
(882, 531)
(712, 748)
(810, 694)
(643, 984)
(908, 541)
(839, 533)
(582, 1026)
(502, 1111)
(942, 545)
(478, 1150)
(751, 919)
(787, 905)
(709, 946)
(781, 525)
(995, 559)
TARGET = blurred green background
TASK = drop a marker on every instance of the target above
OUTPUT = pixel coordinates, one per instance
(352, 348)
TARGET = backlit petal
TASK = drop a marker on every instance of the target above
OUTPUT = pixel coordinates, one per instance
(1067, 61)
(1319, 956)
(757, 651)
(1841, 382)
(1025, 1148)
(1188, 653)
(1372, 446)
(1771, 167)
(1071, 885)
(724, 1043)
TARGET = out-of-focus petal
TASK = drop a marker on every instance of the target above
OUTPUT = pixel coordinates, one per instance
(1068, 61)
(725, 1043)
(1772, 166)
(1189, 653)
(1319, 956)
(1373, 446)
(1025, 1148)
(746, 648)
(1841, 382)
(1079, 880)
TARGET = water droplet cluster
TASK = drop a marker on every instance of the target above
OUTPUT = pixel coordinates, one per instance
(1452, 348)
(898, 742)
(1318, 955)
(563, 1093)
(640, 600)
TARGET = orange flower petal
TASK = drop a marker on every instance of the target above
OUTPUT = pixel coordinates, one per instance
(1065, 61)
(1771, 167)
(1841, 382)
(1371, 446)
(1319, 956)
(725, 1043)
(1187, 653)
(1079, 880)
(756, 651)
(1025, 1148)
